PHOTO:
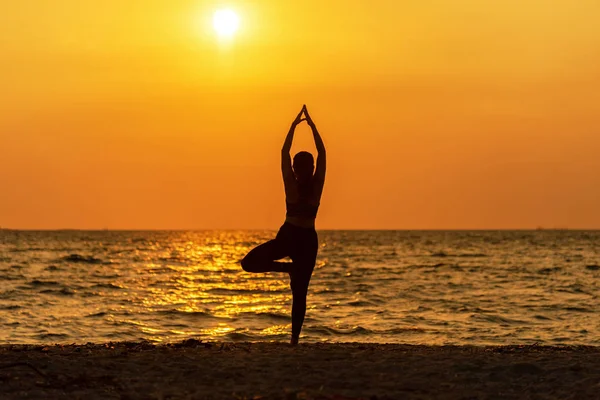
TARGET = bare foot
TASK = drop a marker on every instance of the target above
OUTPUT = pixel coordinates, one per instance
(294, 341)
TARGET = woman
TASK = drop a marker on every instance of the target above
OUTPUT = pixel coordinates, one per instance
(297, 237)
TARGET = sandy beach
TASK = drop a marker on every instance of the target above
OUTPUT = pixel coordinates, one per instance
(197, 370)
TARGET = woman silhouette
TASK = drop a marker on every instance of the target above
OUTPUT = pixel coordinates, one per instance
(297, 237)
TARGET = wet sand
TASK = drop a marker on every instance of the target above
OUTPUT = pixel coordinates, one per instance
(196, 370)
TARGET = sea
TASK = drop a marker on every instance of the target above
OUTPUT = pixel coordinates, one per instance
(412, 287)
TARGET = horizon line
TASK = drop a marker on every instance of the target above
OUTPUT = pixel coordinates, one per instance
(275, 229)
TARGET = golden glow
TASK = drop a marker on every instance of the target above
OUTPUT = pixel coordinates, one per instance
(226, 22)
(441, 114)
(204, 291)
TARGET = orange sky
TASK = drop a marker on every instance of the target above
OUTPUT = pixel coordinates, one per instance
(436, 114)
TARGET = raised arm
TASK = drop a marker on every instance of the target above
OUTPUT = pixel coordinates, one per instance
(286, 159)
(321, 154)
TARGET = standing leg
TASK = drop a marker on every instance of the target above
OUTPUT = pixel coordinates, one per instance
(304, 261)
(262, 258)
(300, 281)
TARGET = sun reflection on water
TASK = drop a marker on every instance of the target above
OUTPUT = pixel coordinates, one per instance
(409, 287)
(202, 287)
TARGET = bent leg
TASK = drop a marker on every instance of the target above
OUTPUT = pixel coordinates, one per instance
(262, 258)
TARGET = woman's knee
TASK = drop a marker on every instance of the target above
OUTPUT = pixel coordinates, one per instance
(246, 263)
(299, 288)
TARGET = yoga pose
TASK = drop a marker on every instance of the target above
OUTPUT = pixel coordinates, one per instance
(297, 237)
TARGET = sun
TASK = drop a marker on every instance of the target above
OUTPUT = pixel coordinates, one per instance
(226, 22)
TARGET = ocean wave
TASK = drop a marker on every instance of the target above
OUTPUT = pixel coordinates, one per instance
(272, 315)
(326, 291)
(49, 335)
(329, 331)
(78, 258)
(38, 282)
(574, 288)
(461, 255)
(105, 276)
(361, 303)
(27, 249)
(497, 319)
(242, 336)
(435, 266)
(227, 291)
(267, 316)
(13, 277)
(11, 294)
(162, 270)
(182, 313)
(61, 292)
(176, 260)
(10, 307)
(579, 309)
(98, 314)
(397, 331)
(364, 287)
(105, 286)
(549, 270)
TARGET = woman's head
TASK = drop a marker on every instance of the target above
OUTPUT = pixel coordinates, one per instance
(304, 166)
